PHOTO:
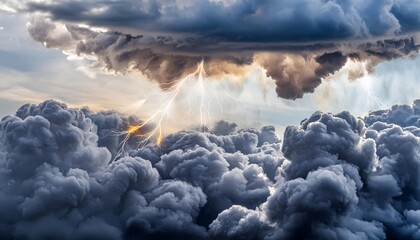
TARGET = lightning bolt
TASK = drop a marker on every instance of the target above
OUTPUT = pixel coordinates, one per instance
(196, 79)
(372, 96)
(365, 81)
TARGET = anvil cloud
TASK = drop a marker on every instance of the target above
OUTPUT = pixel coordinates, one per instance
(298, 43)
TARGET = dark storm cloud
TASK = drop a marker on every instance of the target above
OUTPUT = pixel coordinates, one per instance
(246, 20)
(295, 74)
(402, 115)
(329, 189)
(56, 170)
(332, 177)
(290, 39)
(224, 128)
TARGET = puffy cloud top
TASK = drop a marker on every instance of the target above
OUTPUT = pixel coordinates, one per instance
(331, 177)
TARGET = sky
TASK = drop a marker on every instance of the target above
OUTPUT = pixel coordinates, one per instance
(210, 119)
(32, 73)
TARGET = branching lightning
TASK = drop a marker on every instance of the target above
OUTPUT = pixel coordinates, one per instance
(197, 81)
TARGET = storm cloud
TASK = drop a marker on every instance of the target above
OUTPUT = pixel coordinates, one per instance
(331, 177)
(298, 43)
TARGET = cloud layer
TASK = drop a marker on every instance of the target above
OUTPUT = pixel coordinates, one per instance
(298, 43)
(331, 177)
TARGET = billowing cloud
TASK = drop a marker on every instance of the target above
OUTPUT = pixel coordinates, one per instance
(298, 43)
(331, 177)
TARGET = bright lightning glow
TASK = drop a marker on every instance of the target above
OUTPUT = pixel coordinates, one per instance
(197, 80)
(365, 84)
(365, 81)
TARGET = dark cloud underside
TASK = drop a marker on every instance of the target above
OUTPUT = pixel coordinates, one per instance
(166, 39)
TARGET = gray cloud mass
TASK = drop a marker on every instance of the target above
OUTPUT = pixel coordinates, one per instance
(331, 177)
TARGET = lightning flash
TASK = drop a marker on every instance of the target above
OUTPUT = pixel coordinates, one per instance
(196, 80)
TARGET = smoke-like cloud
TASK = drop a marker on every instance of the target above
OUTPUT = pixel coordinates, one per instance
(331, 177)
(298, 43)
